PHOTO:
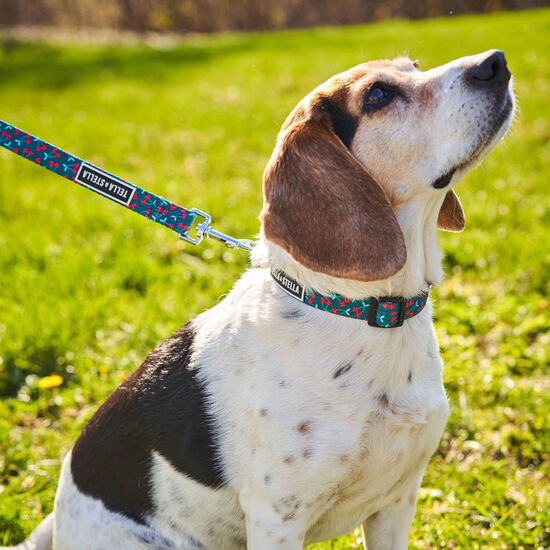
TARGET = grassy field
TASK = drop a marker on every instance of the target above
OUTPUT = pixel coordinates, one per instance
(87, 289)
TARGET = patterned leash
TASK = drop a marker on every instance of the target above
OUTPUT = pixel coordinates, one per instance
(131, 196)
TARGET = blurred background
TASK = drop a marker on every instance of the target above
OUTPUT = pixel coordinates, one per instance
(188, 16)
(185, 98)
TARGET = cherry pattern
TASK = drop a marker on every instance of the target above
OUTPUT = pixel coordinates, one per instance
(64, 164)
(387, 311)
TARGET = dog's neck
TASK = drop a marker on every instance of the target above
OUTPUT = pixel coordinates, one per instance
(418, 220)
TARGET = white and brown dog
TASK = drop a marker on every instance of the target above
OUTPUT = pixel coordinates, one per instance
(266, 423)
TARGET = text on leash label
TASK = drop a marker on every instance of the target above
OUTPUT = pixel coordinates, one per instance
(103, 183)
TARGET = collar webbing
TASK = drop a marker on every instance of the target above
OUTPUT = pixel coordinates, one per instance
(384, 312)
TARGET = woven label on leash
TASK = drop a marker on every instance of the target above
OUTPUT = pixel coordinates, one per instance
(111, 187)
(74, 169)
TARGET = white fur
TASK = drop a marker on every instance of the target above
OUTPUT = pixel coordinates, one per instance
(306, 455)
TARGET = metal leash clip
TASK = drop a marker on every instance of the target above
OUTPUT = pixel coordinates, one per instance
(204, 230)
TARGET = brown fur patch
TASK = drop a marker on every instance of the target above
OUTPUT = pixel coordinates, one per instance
(322, 207)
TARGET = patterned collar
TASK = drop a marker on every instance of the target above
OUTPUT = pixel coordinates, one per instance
(384, 312)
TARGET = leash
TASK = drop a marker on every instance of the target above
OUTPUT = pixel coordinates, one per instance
(122, 192)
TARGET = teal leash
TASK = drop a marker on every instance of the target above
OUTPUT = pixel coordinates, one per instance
(384, 312)
(136, 199)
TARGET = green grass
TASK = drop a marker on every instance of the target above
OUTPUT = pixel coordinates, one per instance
(87, 289)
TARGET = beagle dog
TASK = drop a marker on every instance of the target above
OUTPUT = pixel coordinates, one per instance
(309, 400)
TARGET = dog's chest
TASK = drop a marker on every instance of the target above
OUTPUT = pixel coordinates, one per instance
(329, 420)
(384, 469)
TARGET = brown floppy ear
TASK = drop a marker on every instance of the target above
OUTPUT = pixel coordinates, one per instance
(451, 215)
(322, 207)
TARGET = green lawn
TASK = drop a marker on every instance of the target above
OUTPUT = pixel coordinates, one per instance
(87, 289)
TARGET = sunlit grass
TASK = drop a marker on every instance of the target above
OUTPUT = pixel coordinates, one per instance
(87, 289)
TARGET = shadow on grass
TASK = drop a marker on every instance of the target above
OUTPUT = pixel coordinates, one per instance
(44, 65)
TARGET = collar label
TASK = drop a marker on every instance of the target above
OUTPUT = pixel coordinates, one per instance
(289, 285)
(110, 186)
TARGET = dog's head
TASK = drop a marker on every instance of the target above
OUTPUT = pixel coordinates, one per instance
(367, 141)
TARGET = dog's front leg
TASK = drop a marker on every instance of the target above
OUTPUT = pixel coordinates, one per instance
(388, 529)
(268, 527)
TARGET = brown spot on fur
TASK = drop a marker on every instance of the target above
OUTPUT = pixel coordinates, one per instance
(288, 459)
(383, 400)
(263, 412)
(364, 454)
(412, 499)
(307, 453)
(282, 541)
(304, 427)
(374, 516)
(397, 500)
(290, 502)
(396, 429)
(344, 458)
(267, 479)
(289, 516)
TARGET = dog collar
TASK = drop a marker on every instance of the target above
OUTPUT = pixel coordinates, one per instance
(383, 312)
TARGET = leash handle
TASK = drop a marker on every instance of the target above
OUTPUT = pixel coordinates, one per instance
(85, 174)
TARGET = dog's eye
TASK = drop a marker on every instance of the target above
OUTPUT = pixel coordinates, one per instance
(375, 95)
(379, 95)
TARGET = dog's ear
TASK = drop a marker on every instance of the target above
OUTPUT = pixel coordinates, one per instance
(451, 215)
(322, 207)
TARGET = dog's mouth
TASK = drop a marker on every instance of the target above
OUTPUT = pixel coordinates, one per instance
(445, 179)
(487, 141)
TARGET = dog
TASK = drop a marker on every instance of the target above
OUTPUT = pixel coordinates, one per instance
(310, 400)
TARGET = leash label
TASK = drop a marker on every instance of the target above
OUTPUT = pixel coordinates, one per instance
(289, 285)
(103, 183)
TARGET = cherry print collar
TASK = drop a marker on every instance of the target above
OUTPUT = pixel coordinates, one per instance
(383, 312)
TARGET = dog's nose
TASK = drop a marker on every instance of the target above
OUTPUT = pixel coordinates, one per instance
(490, 71)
